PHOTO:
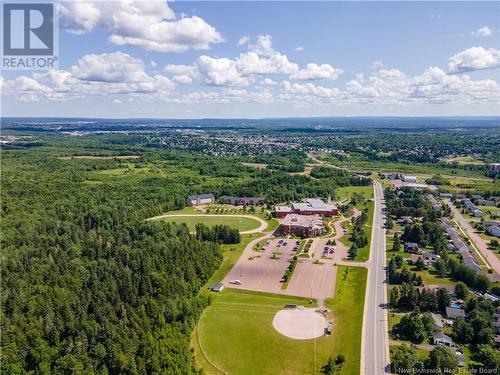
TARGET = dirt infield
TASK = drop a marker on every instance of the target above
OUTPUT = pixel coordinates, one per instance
(299, 324)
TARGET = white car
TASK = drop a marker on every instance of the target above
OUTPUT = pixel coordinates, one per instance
(235, 282)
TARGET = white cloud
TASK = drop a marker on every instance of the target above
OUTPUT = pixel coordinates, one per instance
(436, 87)
(298, 49)
(181, 69)
(226, 96)
(261, 59)
(474, 58)
(309, 90)
(377, 65)
(182, 79)
(269, 82)
(117, 101)
(243, 40)
(220, 71)
(315, 72)
(252, 63)
(264, 46)
(151, 25)
(108, 73)
(109, 67)
(483, 31)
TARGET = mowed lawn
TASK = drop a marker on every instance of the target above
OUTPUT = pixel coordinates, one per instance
(346, 192)
(240, 223)
(237, 335)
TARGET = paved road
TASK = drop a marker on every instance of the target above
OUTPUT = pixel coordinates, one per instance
(375, 340)
(481, 245)
(261, 228)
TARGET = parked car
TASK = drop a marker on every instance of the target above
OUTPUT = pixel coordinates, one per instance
(235, 282)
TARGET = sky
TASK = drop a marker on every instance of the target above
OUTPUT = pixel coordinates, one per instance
(123, 59)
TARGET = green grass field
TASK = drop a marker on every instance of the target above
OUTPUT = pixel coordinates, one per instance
(240, 223)
(346, 192)
(237, 335)
(363, 254)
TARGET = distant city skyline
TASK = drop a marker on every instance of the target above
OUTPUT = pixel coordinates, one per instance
(126, 59)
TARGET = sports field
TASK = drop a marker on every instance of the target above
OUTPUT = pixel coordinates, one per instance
(236, 334)
(240, 223)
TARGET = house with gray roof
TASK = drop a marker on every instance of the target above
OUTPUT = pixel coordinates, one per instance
(439, 338)
(455, 313)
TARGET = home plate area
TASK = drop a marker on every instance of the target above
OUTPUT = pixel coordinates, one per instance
(300, 323)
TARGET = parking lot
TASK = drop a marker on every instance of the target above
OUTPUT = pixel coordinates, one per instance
(260, 271)
(283, 248)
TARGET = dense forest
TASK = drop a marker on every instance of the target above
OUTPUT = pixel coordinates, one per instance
(89, 286)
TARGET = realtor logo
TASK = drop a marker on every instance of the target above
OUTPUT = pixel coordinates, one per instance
(28, 36)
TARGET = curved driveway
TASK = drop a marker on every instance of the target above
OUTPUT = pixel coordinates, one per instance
(261, 228)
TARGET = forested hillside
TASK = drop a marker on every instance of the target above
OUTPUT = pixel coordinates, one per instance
(88, 286)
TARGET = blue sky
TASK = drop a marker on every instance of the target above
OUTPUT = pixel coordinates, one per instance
(250, 59)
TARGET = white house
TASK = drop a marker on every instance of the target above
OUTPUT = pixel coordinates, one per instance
(407, 178)
(439, 338)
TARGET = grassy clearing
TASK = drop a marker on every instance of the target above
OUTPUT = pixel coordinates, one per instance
(466, 160)
(96, 157)
(363, 254)
(464, 185)
(240, 223)
(347, 308)
(237, 335)
(346, 192)
(356, 162)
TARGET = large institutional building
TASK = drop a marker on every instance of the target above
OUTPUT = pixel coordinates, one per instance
(301, 225)
(310, 206)
(198, 200)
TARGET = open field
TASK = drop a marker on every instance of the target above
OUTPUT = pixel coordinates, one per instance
(464, 184)
(97, 157)
(237, 335)
(240, 223)
(465, 160)
(356, 163)
(343, 193)
(363, 253)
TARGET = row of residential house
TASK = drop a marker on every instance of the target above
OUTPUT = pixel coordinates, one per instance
(456, 244)
(471, 207)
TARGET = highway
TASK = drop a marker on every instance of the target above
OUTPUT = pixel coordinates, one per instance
(375, 339)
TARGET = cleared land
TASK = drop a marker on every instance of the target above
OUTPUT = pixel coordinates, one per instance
(97, 157)
(243, 224)
(237, 335)
(343, 193)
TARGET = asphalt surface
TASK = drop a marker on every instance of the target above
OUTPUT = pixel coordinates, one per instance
(375, 340)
